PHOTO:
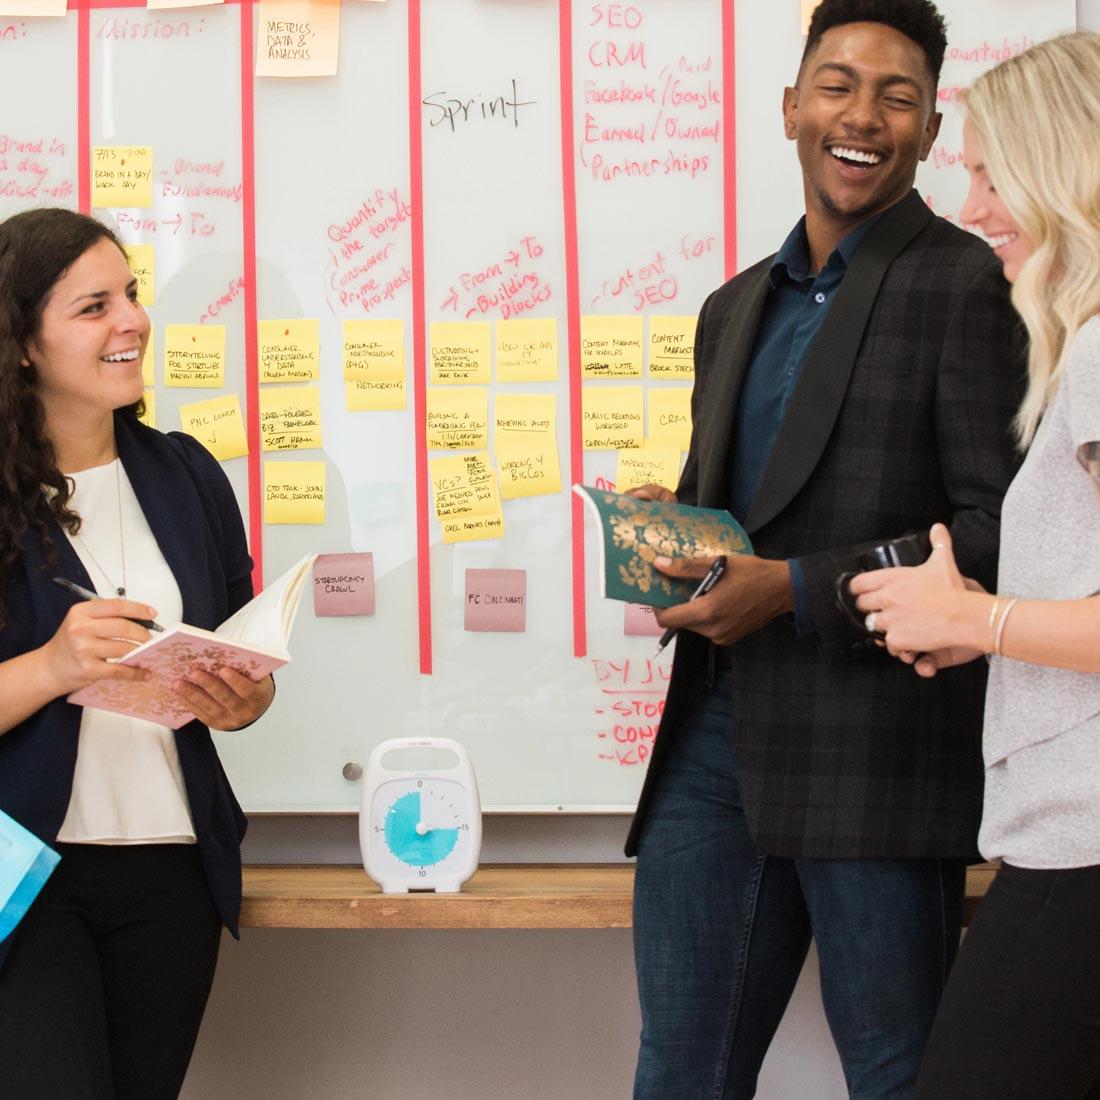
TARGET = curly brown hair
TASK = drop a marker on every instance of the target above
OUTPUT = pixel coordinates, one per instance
(37, 247)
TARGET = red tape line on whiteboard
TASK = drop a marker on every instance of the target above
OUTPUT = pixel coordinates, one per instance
(420, 393)
(573, 320)
(84, 110)
(251, 290)
(729, 146)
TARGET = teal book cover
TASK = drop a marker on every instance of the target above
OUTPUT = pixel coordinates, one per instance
(25, 864)
(633, 532)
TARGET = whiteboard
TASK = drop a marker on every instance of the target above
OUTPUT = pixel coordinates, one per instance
(555, 718)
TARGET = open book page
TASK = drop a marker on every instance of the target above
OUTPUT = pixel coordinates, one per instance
(267, 618)
(253, 641)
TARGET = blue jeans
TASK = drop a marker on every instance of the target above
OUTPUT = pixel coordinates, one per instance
(721, 931)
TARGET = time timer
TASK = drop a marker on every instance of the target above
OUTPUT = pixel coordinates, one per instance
(420, 821)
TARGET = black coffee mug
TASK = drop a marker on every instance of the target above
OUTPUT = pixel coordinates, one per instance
(908, 550)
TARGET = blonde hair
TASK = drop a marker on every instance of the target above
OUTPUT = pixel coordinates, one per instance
(1038, 118)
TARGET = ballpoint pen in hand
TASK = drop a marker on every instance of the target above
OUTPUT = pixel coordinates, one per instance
(87, 594)
(713, 576)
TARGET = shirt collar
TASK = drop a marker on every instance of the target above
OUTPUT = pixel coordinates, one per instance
(793, 258)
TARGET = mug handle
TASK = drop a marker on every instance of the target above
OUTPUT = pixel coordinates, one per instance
(846, 602)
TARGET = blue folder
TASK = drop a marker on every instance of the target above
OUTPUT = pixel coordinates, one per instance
(25, 864)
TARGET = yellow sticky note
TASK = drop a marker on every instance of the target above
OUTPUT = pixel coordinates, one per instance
(217, 424)
(527, 350)
(142, 259)
(612, 417)
(298, 38)
(290, 418)
(670, 417)
(648, 466)
(523, 414)
(194, 355)
(672, 347)
(153, 5)
(374, 350)
(360, 396)
(467, 500)
(458, 420)
(290, 350)
(526, 444)
(147, 369)
(294, 492)
(122, 175)
(37, 8)
(528, 467)
(461, 351)
(611, 347)
(149, 417)
(807, 12)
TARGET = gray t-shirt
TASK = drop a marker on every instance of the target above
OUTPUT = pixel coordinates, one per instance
(1042, 725)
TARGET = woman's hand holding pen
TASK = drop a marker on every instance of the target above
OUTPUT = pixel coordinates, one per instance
(90, 636)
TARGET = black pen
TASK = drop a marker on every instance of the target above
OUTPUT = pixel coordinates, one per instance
(714, 575)
(87, 594)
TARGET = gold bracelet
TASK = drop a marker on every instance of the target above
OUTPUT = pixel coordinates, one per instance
(993, 623)
(1001, 625)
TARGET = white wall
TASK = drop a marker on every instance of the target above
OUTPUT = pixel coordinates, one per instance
(451, 1015)
(460, 1015)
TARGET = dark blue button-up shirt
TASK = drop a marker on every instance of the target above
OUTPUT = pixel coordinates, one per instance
(795, 308)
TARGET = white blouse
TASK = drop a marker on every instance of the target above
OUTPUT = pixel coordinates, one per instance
(128, 787)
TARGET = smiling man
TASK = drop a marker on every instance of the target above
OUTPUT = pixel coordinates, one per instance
(854, 387)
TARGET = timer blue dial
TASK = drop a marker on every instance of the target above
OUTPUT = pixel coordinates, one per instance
(413, 840)
(420, 822)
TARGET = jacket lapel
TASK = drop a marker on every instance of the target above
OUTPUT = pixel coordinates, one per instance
(734, 348)
(823, 382)
(173, 511)
(51, 602)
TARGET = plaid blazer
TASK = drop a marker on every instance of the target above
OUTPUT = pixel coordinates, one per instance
(900, 417)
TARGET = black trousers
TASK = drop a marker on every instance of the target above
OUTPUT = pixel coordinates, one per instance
(1020, 1018)
(108, 975)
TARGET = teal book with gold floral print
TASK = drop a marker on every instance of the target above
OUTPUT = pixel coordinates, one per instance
(633, 532)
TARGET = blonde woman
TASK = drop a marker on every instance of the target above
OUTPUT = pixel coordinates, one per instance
(1021, 1014)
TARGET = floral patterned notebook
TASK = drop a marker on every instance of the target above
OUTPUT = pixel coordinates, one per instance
(253, 641)
(633, 532)
(169, 657)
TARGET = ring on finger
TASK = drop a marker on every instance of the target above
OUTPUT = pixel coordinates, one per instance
(870, 623)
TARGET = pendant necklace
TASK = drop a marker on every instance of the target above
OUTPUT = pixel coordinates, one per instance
(120, 589)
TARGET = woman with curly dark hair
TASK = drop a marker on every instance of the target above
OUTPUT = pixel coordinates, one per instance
(103, 985)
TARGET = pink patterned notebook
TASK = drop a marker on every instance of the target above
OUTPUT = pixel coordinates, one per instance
(169, 657)
(253, 641)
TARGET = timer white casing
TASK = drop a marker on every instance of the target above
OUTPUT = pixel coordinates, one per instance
(396, 853)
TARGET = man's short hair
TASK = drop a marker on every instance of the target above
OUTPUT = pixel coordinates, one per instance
(918, 20)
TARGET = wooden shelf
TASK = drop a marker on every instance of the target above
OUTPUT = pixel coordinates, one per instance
(551, 895)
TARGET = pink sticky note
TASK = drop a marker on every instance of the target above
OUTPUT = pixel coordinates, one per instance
(343, 584)
(496, 599)
(640, 622)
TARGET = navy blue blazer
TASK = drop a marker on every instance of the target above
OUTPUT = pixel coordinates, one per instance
(193, 514)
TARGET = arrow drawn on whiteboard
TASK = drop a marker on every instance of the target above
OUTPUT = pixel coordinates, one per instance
(451, 301)
(512, 258)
